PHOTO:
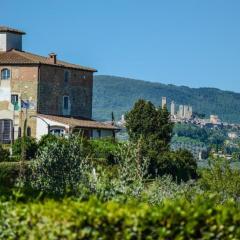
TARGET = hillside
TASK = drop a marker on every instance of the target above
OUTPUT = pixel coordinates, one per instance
(118, 94)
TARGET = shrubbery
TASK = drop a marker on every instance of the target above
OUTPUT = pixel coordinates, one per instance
(9, 173)
(180, 164)
(221, 179)
(68, 219)
(60, 167)
(144, 190)
(45, 140)
(30, 147)
(104, 149)
(4, 154)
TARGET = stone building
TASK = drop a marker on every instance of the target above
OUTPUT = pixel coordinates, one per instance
(172, 109)
(52, 95)
(164, 102)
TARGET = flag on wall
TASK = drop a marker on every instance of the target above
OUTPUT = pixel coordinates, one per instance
(25, 104)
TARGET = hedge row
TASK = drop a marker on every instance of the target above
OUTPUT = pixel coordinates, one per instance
(70, 219)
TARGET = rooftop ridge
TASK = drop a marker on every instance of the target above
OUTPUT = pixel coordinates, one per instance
(11, 30)
(14, 56)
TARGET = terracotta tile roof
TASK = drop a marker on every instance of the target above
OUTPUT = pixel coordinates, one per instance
(11, 30)
(13, 57)
(77, 122)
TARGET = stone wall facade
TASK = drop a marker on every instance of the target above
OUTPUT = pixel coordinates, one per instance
(54, 85)
(23, 82)
(45, 86)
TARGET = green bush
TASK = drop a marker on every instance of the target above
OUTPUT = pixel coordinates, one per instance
(123, 180)
(162, 188)
(46, 139)
(10, 172)
(4, 154)
(59, 166)
(104, 149)
(180, 164)
(221, 179)
(30, 146)
(68, 219)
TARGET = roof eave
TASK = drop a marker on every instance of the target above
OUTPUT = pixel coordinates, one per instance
(12, 31)
(102, 128)
(48, 64)
(77, 68)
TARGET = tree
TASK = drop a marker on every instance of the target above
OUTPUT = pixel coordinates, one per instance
(152, 125)
(141, 120)
(147, 120)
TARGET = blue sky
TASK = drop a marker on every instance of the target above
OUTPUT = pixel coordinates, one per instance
(184, 42)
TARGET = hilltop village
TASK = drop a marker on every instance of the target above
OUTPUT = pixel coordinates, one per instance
(203, 137)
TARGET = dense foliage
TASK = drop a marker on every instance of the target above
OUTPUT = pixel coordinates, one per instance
(68, 219)
(118, 95)
(152, 128)
(129, 205)
(9, 174)
(4, 154)
(145, 120)
(206, 140)
(76, 188)
(59, 167)
(221, 178)
(26, 144)
(104, 150)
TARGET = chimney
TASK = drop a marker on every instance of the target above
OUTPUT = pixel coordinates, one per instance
(53, 58)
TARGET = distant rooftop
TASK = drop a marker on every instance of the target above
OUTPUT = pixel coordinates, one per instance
(11, 30)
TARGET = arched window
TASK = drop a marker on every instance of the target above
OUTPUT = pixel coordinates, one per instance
(29, 131)
(19, 132)
(5, 74)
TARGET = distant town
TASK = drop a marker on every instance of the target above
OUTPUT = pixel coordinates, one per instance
(222, 138)
(185, 114)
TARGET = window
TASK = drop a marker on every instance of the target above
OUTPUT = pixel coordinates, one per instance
(99, 133)
(66, 105)
(66, 76)
(65, 102)
(6, 131)
(5, 74)
(57, 131)
(29, 131)
(84, 76)
(14, 99)
(19, 132)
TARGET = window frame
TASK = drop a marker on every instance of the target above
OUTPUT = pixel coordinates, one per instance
(67, 76)
(5, 76)
(16, 97)
(6, 131)
(68, 103)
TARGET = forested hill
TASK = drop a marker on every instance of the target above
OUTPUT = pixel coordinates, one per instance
(117, 94)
